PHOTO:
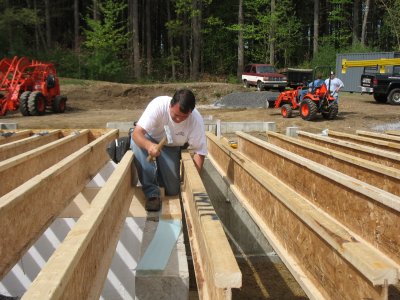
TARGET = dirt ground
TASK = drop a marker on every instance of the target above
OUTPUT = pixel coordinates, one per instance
(93, 104)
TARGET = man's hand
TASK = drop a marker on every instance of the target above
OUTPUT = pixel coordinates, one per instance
(138, 136)
(198, 161)
(154, 150)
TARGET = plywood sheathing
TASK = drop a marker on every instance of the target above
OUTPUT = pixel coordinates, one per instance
(379, 136)
(20, 168)
(386, 178)
(386, 158)
(322, 254)
(215, 266)
(368, 211)
(78, 268)
(26, 211)
(368, 141)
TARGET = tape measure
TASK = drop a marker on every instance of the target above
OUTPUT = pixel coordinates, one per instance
(233, 144)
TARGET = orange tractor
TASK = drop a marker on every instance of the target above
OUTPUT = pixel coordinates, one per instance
(29, 85)
(310, 100)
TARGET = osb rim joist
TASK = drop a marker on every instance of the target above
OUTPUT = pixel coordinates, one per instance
(326, 251)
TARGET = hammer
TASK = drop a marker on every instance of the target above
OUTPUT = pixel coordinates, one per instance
(167, 139)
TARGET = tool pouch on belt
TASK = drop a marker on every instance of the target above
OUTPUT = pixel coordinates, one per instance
(117, 148)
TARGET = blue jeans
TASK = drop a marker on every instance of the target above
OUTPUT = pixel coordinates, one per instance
(164, 171)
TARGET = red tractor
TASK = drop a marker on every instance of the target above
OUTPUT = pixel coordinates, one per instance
(31, 86)
(310, 100)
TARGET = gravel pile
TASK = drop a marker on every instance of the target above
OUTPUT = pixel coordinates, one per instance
(383, 128)
(247, 99)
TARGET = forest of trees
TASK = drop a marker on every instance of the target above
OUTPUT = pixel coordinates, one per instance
(168, 40)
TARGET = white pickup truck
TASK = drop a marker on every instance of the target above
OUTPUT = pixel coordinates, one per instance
(264, 77)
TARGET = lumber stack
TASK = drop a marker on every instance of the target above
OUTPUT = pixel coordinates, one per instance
(329, 206)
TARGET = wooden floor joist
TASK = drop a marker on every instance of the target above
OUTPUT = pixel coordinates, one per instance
(78, 268)
(385, 178)
(20, 168)
(12, 135)
(379, 136)
(393, 132)
(34, 141)
(368, 211)
(386, 158)
(328, 260)
(27, 210)
(363, 140)
(215, 266)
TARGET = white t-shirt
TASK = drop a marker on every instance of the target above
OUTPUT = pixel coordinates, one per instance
(191, 130)
(335, 84)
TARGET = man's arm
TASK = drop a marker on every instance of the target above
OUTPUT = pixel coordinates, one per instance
(198, 161)
(140, 140)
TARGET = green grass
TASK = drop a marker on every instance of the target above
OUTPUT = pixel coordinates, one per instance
(75, 81)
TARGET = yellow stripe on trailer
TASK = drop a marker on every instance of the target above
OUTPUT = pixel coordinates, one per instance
(381, 63)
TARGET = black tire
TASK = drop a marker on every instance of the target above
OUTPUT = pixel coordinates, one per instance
(286, 111)
(36, 104)
(259, 86)
(23, 103)
(308, 109)
(380, 98)
(332, 112)
(394, 97)
(59, 104)
(246, 84)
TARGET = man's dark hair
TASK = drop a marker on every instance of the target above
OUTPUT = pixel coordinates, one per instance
(186, 100)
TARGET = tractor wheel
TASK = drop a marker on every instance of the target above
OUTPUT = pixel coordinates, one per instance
(59, 104)
(246, 84)
(308, 109)
(394, 97)
(286, 111)
(380, 98)
(332, 112)
(23, 103)
(36, 104)
(259, 86)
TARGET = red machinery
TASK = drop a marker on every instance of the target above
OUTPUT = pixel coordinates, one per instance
(316, 100)
(31, 86)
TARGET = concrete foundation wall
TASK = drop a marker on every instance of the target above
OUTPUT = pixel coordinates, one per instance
(245, 234)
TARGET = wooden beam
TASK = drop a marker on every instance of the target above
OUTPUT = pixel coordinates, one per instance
(385, 178)
(328, 260)
(368, 211)
(368, 141)
(393, 132)
(18, 169)
(215, 266)
(78, 268)
(386, 158)
(14, 136)
(26, 211)
(20, 146)
(380, 136)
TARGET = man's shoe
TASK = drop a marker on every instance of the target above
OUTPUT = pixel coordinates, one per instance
(153, 204)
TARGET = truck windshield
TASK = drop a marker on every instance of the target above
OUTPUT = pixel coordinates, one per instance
(266, 69)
